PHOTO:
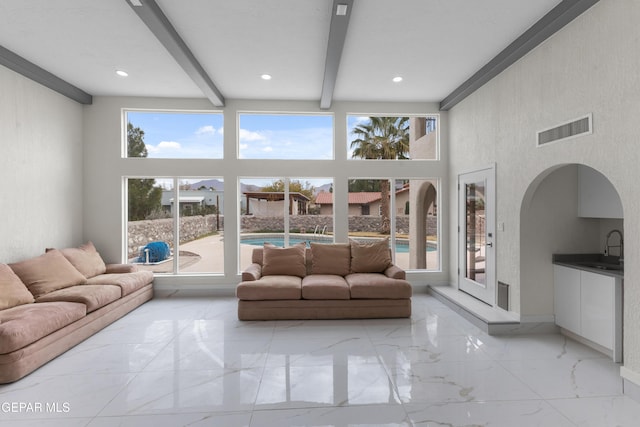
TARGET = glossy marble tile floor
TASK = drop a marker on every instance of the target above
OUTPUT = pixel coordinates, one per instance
(188, 361)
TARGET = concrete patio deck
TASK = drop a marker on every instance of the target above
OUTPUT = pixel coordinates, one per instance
(206, 256)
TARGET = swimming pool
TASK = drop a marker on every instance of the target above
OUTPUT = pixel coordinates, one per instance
(402, 246)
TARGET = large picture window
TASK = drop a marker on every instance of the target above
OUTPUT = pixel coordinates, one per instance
(285, 136)
(174, 135)
(174, 209)
(401, 210)
(175, 226)
(284, 211)
(392, 137)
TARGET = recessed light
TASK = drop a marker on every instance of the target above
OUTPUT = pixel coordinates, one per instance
(341, 9)
(122, 73)
(397, 79)
(266, 77)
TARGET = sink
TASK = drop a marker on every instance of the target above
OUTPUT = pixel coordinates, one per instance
(602, 265)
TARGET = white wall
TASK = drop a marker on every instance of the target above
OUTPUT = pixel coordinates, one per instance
(40, 168)
(105, 169)
(590, 66)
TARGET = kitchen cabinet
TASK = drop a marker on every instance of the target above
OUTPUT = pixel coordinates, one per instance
(589, 305)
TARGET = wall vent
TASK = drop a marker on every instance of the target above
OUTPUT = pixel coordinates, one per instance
(572, 129)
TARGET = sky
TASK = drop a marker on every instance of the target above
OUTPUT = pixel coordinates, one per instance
(180, 135)
(261, 136)
(199, 135)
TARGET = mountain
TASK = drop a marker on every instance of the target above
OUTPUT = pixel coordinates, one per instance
(209, 183)
(326, 188)
(219, 185)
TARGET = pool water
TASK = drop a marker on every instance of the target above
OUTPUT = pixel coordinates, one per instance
(401, 247)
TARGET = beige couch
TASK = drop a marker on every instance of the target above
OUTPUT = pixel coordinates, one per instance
(52, 302)
(327, 281)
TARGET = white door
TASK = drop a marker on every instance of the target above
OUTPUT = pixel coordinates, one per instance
(476, 234)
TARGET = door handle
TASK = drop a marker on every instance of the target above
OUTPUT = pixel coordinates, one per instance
(490, 244)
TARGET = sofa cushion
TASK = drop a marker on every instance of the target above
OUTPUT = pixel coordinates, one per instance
(270, 288)
(92, 296)
(395, 272)
(25, 324)
(377, 286)
(128, 282)
(325, 286)
(85, 259)
(257, 255)
(121, 268)
(47, 273)
(252, 272)
(332, 258)
(12, 291)
(372, 257)
(284, 261)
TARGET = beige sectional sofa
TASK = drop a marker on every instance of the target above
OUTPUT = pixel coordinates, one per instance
(52, 302)
(327, 281)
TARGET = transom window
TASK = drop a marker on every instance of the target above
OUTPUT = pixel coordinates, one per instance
(174, 134)
(285, 136)
(392, 137)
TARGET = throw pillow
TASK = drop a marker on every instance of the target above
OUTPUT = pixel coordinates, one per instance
(12, 291)
(330, 258)
(372, 257)
(47, 273)
(284, 261)
(85, 259)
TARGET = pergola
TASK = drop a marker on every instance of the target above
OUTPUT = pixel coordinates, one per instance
(278, 196)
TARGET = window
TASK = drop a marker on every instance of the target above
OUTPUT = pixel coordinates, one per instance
(392, 137)
(378, 210)
(285, 136)
(157, 206)
(174, 135)
(284, 211)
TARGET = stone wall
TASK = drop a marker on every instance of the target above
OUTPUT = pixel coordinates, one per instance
(194, 227)
(308, 223)
(191, 228)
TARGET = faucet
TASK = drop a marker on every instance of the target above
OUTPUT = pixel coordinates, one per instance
(621, 245)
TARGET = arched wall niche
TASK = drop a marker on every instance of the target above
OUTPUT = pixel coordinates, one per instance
(551, 223)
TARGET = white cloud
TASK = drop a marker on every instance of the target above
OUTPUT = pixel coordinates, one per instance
(162, 146)
(247, 135)
(206, 130)
(244, 146)
(267, 149)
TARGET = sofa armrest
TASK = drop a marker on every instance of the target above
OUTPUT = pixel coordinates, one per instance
(252, 273)
(395, 272)
(121, 268)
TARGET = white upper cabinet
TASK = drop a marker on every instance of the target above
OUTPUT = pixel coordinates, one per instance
(597, 198)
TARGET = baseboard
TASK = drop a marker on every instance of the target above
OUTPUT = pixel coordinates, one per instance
(630, 383)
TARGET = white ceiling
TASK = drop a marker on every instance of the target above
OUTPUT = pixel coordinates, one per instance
(434, 44)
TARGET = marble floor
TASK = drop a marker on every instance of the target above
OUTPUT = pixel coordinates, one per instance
(185, 361)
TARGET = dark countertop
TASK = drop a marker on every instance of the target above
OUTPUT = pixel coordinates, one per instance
(594, 263)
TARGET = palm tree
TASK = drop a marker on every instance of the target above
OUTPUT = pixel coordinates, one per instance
(382, 138)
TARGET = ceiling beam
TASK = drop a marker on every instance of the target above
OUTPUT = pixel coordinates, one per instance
(40, 75)
(548, 25)
(337, 36)
(158, 23)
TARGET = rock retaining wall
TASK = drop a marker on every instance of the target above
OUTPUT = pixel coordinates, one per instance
(194, 227)
(191, 228)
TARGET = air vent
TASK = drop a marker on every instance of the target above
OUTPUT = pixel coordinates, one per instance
(579, 127)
